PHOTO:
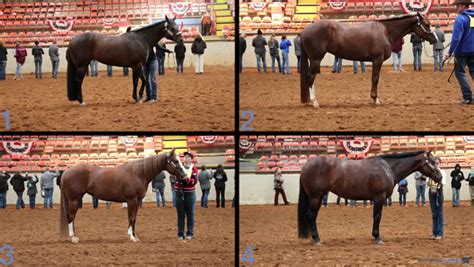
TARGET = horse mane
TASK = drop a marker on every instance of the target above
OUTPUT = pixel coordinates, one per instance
(400, 155)
(148, 26)
(397, 18)
(147, 167)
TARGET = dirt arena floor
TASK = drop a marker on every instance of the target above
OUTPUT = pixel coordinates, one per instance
(411, 101)
(186, 102)
(34, 235)
(346, 236)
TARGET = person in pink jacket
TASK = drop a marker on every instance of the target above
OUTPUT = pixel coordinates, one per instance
(397, 55)
(20, 55)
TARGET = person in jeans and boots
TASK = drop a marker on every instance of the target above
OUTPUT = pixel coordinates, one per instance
(259, 43)
(438, 49)
(397, 55)
(420, 183)
(197, 48)
(297, 42)
(417, 44)
(436, 204)
(18, 183)
(160, 56)
(338, 201)
(205, 182)
(32, 190)
(221, 178)
(3, 61)
(278, 187)
(20, 55)
(38, 53)
(159, 188)
(186, 197)
(457, 176)
(285, 50)
(149, 70)
(180, 54)
(273, 46)
(47, 185)
(54, 56)
(3, 189)
(402, 192)
(94, 68)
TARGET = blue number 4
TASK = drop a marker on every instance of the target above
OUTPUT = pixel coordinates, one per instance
(248, 255)
(7, 119)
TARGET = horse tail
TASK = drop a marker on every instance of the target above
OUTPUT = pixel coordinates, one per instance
(71, 77)
(63, 216)
(303, 206)
(304, 66)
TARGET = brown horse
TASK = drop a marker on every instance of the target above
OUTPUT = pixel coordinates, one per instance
(372, 178)
(370, 41)
(125, 183)
(130, 49)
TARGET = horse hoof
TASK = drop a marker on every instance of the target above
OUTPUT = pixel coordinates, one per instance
(315, 104)
(82, 104)
(74, 240)
(134, 239)
(379, 242)
(317, 243)
(377, 101)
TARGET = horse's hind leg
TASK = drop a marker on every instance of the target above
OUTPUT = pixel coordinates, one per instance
(314, 69)
(376, 66)
(312, 215)
(135, 75)
(71, 215)
(142, 87)
(80, 74)
(378, 206)
(132, 217)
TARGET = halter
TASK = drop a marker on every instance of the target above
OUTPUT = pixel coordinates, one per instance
(427, 162)
(170, 32)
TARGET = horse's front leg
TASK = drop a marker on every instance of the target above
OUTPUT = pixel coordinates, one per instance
(314, 69)
(378, 206)
(376, 67)
(143, 80)
(132, 217)
(135, 83)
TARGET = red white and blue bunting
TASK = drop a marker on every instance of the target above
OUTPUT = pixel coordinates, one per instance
(469, 139)
(129, 140)
(209, 139)
(356, 147)
(61, 26)
(179, 9)
(415, 6)
(337, 5)
(17, 147)
(244, 145)
(258, 6)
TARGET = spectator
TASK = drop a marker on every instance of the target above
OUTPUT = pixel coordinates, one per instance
(470, 179)
(197, 49)
(160, 56)
(109, 71)
(278, 187)
(38, 53)
(159, 188)
(221, 178)
(285, 50)
(436, 204)
(273, 47)
(325, 200)
(457, 176)
(3, 62)
(125, 71)
(186, 198)
(205, 181)
(365, 203)
(388, 201)
(18, 183)
(47, 185)
(3, 189)
(417, 43)
(297, 43)
(94, 68)
(402, 192)
(206, 23)
(20, 55)
(173, 191)
(353, 203)
(95, 202)
(338, 201)
(438, 49)
(420, 182)
(462, 46)
(32, 190)
(242, 48)
(149, 70)
(259, 43)
(54, 56)
(337, 65)
(397, 55)
(355, 67)
(180, 53)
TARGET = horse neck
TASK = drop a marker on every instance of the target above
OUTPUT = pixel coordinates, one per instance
(152, 35)
(402, 167)
(399, 27)
(150, 168)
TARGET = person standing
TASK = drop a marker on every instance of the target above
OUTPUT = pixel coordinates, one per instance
(338, 201)
(420, 183)
(278, 187)
(436, 204)
(205, 182)
(94, 68)
(462, 47)
(125, 71)
(20, 55)
(47, 186)
(180, 54)
(221, 178)
(54, 56)
(173, 191)
(110, 71)
(159, 188)
(38, 53)
(3, 189)
(297, 43)
(337, 65)
(285, 50)
(438, 49)
(160, 56)
(397, 55)
(3, 62)
(32, 190)
(417, 44)
(325, 200)
(457, 176)
(355, 67)
(206, 23)
(242, 48)
(402, 192)
(259, 43)
(470, 179)
(186, 198)
(18, 183)
(274, 50)
(149, 70)
(197, 48)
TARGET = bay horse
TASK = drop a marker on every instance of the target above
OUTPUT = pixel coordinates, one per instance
(130, 49)
(372, 178)
(125, 183)
(369, 41)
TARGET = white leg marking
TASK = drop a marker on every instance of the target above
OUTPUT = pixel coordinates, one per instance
(377, 101)
(71, 229)
(130, 234)
(311, 93)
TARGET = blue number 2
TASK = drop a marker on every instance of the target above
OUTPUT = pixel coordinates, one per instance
(245, 126)
(248, 255)
(7, 119)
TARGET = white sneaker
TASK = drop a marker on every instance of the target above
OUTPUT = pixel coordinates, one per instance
(189, 237)
(180, 238)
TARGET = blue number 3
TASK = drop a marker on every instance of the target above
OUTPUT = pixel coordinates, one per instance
(248, 255)
(9, 253)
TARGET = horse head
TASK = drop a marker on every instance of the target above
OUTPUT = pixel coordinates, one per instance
(172, 30)
(429, 167)
(423, 30)
(174, 165)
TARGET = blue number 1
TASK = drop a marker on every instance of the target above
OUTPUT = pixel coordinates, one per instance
(248, 255)
(7, 119)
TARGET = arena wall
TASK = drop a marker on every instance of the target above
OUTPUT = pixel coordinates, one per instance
(249, 58)
(216, 54)
(258, 189)
(149, 197)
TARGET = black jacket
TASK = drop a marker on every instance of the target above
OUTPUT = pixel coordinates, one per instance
(221, 178)
(37, 51)
(58, 179)
(470, 179)
(161, 50)
(198, 46)
(18, 182)
(3, 53)
(180, 50)
(3, 182)
(457, 176)
(242, 45)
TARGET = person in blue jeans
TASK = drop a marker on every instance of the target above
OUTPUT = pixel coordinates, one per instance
(160, 56)
(38, 53)
(438, 48)
(3, 61)
(180, 54)
(259, 43)
(462, 47)
(417, 44)
(186, 198)
(125, 71)
(94, 65)
(47, 185)
(420, 183)
(32, 190)
(274, 48)
(3, 189)
(173, 191)
(388, 202)
(456, 177)
(337, 65)
(338, 201)
(95, 202)
(149, 70)
(325, 200)
(436, 204)
(355, 66)
(205, 182)
(285, 50)
(18, 183)
(158, 186)
(109, 71)
(402, 192)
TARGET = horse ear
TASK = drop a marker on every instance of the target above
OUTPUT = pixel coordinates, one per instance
(174, 18)
(166, 17)
(172, 151)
